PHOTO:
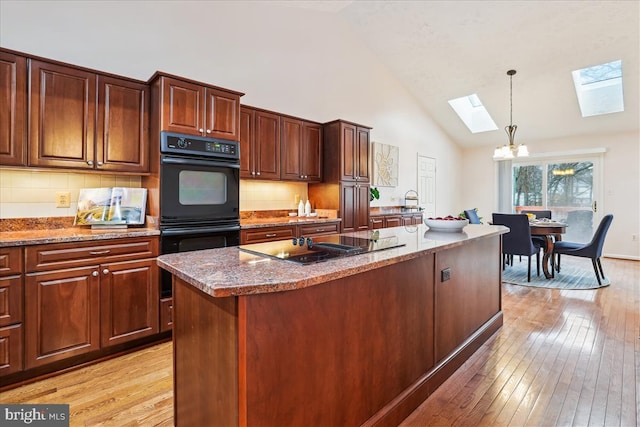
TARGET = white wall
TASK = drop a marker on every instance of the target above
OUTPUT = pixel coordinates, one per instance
(621, 182)
(295, 61)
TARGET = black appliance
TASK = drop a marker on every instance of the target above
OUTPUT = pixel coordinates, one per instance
(199, 195)
(318, 249)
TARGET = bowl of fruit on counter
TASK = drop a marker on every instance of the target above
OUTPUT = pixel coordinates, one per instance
(447, 224)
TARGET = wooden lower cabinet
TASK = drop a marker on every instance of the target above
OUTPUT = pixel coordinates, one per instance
(62, 314)
(11, 359)
(267, 234)
(312, 230)
(166, 314)
(129, 296)
(11, 311)
(108, 296)
(392, 221)
(395, 220)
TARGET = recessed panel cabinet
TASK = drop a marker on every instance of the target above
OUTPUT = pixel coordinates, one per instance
(301, 148)
(195, 109)
(259, 144)
(13, 109)
(354, 206)
(83, 120)
(11, 312)
(85, 296)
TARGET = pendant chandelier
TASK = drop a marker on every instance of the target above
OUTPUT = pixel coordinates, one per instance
(509, 151)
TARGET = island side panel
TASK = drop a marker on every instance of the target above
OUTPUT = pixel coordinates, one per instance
(337, 353)
(205, 358)
(472, 295)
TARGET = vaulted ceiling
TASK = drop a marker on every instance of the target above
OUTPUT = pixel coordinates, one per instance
(441, 50)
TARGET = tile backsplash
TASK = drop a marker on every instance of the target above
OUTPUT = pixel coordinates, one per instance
(32, 194)
(29, 194)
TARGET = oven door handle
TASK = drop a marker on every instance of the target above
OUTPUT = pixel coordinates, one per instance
(196, 162)
(199, 230)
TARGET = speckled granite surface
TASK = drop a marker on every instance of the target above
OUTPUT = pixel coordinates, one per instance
(230, 271)
(36, 231)
(270, 222)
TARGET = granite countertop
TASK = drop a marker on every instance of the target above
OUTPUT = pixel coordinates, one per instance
(72, 234)
(229, 271)
(246, 223)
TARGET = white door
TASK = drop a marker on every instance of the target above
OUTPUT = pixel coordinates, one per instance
(427, 185)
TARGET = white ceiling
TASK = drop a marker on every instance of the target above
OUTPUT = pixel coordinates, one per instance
(440, 50)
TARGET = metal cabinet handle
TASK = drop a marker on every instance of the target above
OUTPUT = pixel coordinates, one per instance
(105, 271)
(201, 130)
(208, 130)
(100, 252)
(90, 162)
(94, 274)
(270, 235)
(258, 173)
(100, 163)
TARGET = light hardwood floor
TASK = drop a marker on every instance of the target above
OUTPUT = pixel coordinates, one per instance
(561, 358)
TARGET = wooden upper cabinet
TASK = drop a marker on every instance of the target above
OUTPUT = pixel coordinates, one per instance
(222, 114)
(301, 150)
(259, 144)
(84, 120)
(195, 109)
(291, 149)
(362, 154)
(247, 141)
(123, 125)
(13, 109)
(63, 114)
(346, 152)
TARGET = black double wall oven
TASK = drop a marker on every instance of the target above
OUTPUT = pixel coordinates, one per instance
(199, 195)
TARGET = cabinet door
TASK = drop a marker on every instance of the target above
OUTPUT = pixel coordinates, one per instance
(247, 135)
(362, 155)
(312, 230)
(348, 206)
(348, 148)
(312, 152)
(122, 141)
(416, 219)
(267, 234)
(129, 301)
(13, 109)
(222, 111)
(62, 315)
(267, 145)
(392, 221)
(182, 107)
(10, 349)
(10, 300)
(63, 113)
(291, 149)
(362, 207)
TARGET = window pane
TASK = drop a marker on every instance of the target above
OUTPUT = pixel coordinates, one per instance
(570, 196)
(527, 187)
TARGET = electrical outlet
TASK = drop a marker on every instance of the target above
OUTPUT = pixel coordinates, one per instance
(445, 274)
(63, 199)
(634, 237)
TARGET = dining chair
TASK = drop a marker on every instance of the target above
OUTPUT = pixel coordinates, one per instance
(592, 250)
(518, 240)
(472, 216)
(538, 213)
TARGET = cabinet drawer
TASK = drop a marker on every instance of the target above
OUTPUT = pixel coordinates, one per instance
(67, 255)
(318, 229)
(10, 300)
(11, 349)
(267, 234)
(10, 261)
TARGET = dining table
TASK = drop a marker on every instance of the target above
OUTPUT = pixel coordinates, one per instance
(550, 231)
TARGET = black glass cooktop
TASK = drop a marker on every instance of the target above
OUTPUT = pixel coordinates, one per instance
(318, 249)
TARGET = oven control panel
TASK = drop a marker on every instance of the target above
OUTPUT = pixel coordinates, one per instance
(198, 146)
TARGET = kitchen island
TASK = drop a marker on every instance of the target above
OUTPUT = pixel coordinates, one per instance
(361, 340)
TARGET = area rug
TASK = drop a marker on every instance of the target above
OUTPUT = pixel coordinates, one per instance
(575, 273)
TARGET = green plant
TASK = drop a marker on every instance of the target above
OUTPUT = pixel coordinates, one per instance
(373, 193)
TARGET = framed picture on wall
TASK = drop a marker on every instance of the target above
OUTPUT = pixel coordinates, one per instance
(384, 159)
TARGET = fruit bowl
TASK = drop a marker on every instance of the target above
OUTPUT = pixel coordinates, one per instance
(447, 224)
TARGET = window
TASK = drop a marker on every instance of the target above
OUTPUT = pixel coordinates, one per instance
(473, 114)
(599, 89)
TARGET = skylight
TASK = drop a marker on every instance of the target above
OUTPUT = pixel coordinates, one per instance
(473, 114)
(599, 89)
